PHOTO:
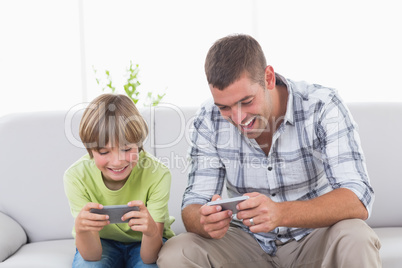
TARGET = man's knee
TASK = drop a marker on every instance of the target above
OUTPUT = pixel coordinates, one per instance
(178, 249)
(175, 245)
(355, 238)
(355, 230)
(352, 243)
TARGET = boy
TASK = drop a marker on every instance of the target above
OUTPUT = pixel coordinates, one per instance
(117, 171)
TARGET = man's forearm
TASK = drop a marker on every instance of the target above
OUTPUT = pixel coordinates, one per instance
(323, 211)
(191, 219)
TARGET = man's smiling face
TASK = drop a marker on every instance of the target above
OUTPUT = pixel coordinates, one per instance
(246, 104)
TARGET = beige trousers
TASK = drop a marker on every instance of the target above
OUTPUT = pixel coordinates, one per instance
(348, 243)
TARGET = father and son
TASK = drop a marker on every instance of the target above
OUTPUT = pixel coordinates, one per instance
(291, 147)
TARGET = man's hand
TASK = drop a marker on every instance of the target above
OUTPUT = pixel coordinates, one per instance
(264, 212)
(90, 222)
(214, 221)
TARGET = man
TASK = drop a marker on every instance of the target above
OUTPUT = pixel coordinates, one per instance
(293, 148)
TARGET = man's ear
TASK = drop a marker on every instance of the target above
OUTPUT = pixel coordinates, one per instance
(269, 77)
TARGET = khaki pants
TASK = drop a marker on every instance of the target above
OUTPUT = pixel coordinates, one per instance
(348, 243)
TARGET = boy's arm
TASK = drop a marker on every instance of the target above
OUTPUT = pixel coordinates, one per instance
(87, 227)
(151, 244)
(89, 245)
(152, 232)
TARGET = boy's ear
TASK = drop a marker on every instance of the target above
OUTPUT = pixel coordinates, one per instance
(270, 80)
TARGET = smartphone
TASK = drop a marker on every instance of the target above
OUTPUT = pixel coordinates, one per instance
(229, 203)
(115, 212)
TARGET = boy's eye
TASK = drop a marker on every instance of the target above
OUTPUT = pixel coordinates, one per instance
(127, 150)
(103, 153)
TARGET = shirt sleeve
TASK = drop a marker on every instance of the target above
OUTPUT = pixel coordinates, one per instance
(207, 173)
(75, 192)
(159, 194)
(343, 157)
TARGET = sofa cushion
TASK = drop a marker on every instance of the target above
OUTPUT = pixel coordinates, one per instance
(12, 236)
(56, 253)
(391, 246)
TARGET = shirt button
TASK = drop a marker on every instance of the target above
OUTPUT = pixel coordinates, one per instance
(273, 194)
(269, 168)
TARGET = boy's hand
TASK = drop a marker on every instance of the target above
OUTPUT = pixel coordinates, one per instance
(90, 222)
(141, 221)
(215, 221)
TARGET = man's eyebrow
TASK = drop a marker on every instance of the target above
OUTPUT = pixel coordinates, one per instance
(243, 99)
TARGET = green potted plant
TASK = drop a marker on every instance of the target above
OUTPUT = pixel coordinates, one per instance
(130, 87)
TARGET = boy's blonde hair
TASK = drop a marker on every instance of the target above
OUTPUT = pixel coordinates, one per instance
(114, 119)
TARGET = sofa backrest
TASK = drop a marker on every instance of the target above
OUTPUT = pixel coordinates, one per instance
(380, 128)
(172, 142)
(36, 149)
(34, 153)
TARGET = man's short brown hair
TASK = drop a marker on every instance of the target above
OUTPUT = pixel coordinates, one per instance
(230, 57)
(112, 119)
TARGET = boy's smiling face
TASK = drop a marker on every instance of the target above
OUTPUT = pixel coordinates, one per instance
(116, 163)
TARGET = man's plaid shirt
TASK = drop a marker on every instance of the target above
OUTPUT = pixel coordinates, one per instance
(315, 150)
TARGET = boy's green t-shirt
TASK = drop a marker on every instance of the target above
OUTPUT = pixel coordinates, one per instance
(149, 182)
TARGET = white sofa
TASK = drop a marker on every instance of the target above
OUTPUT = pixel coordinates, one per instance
(36, 148)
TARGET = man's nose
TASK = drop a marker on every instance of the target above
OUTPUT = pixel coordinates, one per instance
(237, 115)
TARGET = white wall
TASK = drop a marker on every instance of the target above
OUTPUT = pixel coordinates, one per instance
(39, 55)
(353, 46)
(168, 39)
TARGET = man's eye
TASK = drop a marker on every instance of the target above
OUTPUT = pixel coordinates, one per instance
(247, 102)
(223, 108)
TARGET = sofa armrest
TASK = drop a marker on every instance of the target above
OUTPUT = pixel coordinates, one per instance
(12, 236)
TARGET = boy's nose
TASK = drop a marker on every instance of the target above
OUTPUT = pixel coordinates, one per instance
(117, 158)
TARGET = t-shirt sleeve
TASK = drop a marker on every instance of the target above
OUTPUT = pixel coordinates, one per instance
(75, 192)
(159, 194)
